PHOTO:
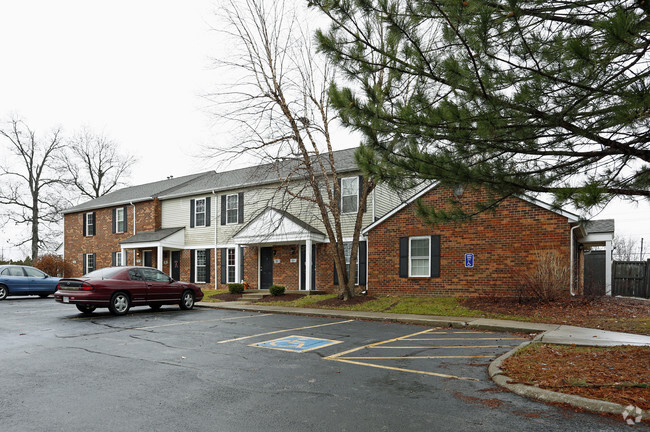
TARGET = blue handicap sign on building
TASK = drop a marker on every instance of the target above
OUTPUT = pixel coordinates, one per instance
(296, 343)
(469, 260)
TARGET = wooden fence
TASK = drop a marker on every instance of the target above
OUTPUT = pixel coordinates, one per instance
(631, 278)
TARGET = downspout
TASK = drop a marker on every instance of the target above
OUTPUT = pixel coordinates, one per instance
(216, 237)
(133, 229)
(571, 260)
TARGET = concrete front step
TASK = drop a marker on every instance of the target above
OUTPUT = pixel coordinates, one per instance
(254, 296)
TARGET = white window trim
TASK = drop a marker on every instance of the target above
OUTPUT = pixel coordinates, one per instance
(118, 259)
(228, 266)
(428, 256)
(119, 211)
(356, 179)
(196, 212)
(356, 277)
(196, 266)
(236, 210)
(89, 223)
(88, 257)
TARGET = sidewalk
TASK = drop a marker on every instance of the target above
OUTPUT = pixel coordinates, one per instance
(548, 333)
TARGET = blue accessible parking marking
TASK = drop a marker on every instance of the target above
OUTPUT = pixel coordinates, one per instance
(296, 343)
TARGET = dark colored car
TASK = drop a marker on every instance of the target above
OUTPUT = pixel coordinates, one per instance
(18, 280)
(119, 288)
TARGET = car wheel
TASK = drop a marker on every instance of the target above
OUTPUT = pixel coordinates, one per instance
(155, 307)
(187, 300)
(119, 304)
(86, 308)
(43, 295)
(3, 292)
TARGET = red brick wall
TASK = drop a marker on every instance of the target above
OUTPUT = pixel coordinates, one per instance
(503, 242)
(104, 242)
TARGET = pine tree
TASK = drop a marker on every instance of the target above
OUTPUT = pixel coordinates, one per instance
(521, 96)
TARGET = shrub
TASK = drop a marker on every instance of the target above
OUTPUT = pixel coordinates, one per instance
(548, 280)
(235, 288)
(51, 264)
(276, 290)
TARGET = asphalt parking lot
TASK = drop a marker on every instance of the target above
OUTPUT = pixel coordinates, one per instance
(217, 370)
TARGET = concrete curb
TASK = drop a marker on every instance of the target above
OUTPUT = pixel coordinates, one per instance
(497, 375)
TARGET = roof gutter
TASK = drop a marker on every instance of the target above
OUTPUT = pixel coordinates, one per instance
(133, 205)
(571, 260)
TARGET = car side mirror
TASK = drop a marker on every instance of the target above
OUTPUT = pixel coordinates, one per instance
(171, 280)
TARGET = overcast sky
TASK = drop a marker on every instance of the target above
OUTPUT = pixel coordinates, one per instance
(136, 71)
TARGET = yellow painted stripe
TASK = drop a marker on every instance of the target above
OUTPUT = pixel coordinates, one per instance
(283, 331)
(402, 369)
(376, 343)
(199, 321)
(414, 357)
(436, 347)
(460, 339)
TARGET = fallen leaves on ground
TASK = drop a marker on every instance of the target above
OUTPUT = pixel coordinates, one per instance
(615, 374)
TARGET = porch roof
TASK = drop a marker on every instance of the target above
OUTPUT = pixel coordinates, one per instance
(274, 226)
(166, 237)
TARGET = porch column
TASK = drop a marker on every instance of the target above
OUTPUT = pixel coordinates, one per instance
(159, 255)
(308, 259)
(123, 255)
(608, 268)
(237, 258)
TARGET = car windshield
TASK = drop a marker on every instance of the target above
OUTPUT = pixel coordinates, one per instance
(105, 273)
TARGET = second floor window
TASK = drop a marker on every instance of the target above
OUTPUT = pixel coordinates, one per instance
(200, 212)
(89, 224)
(349, 194)
(120, 222)
(232, 209)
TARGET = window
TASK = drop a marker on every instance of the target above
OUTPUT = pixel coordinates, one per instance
(117, 259)
(90, 262)
(201, 263)
(419, 257)
(230, 269)
(32, 272)
(232, 209)
(154, 275)
(349, 195)
(13, 271)
(199, 212)
(89, 224)
(120, 222)
(347, 250)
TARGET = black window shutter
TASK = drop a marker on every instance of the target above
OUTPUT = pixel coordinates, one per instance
(126, 219)
(337, 195)
(207, 265)
(94, 223)
(336, 275)
(241, 263)
(435, 256)
(363, 251)
(114, 220)
(403, 257)
(223, 265)
(363, 209)
(191, 213)
(113, 257)
(207, 211)
(192, 263)
(84, 215)
(85, 261)
(223, 210)
(240, 209)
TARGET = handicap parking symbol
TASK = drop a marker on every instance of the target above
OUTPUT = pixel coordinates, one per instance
(469, 260)
(296, 343)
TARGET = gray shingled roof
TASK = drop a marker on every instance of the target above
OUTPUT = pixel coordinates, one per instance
(256, 175)
(137, 193)
(600, 226)
(151, 236)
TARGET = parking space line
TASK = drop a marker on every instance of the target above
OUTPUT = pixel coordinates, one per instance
(402, 369)
(416, 357)
(462, 339)
(436, 347)
(283, 331)
(198, 321)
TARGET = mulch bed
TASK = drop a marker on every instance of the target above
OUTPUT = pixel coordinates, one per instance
(284, 297)
(578, 311)
(620, 375)
(336, 302)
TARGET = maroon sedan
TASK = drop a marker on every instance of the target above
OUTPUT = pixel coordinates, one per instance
(119, 288)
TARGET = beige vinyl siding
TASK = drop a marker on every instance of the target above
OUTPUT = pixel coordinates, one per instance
(176, 213)
(386, 199)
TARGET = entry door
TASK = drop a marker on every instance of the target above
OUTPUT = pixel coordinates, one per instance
(176, 265)
(303, 258)
(147, 258)
(266, 267)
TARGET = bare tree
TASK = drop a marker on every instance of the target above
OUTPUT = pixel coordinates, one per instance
(30, 181)
(280, 105)
(95, 164)
(624, 248)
